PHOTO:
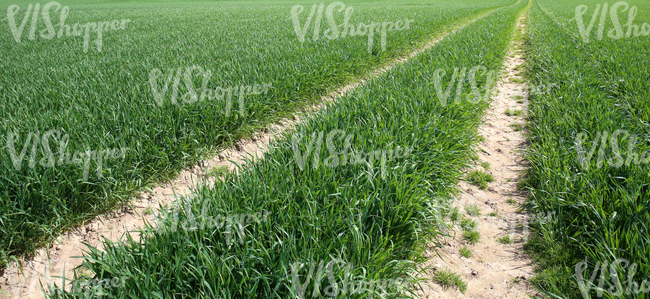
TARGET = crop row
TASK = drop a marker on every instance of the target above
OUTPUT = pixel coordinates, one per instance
(590, 147)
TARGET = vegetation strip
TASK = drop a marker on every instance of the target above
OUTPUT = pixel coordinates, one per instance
(586, 136)
(346, 226)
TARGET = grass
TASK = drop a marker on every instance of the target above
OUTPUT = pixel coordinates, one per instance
(493, 214)
(471, 237)
(514, 112)
(448, 279)
(473, 210)
(511, 201)
(505, 240)
(601, 209)
(468, 224)
(218, 171)
(373, 216)
(465, 252)
(517, 127)
(454, 215)
(148, 211)
(485, 165)
(479, 178)
(104, 100)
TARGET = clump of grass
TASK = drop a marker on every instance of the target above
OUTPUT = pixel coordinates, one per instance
(454, 215)
(493, 214)
(218, 171)
(479, 178)
(471, 236)
(468, 224)
(473, 210)
(511, 201)
(148, 211)
(517, 80)
(517, 127)
(521, 67)
(517, 97)
(505, 240)
(523, 182)
(465, 252)
(520, 101)
(447, 279)
(485, 165)
(514, 112)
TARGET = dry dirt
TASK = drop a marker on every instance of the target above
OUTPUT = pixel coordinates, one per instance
(49, 264)
(496, 270)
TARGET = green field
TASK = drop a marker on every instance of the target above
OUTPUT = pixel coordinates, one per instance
(583, 171)
(370, 217)
(343, 204)
(55, 92)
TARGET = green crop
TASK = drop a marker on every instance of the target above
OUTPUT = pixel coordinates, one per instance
(102, 97)
(601, 211)
(343, 222)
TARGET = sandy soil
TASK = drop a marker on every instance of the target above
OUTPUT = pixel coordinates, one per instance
(496, 270)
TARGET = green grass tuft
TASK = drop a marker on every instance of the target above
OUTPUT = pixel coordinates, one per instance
(472, 237)
(514, 112)
(505, 240)
(517, 127)
(473, 210)
(468, 224)
(218, 171)
(465, 252)
(448, 279)
(479, 178)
